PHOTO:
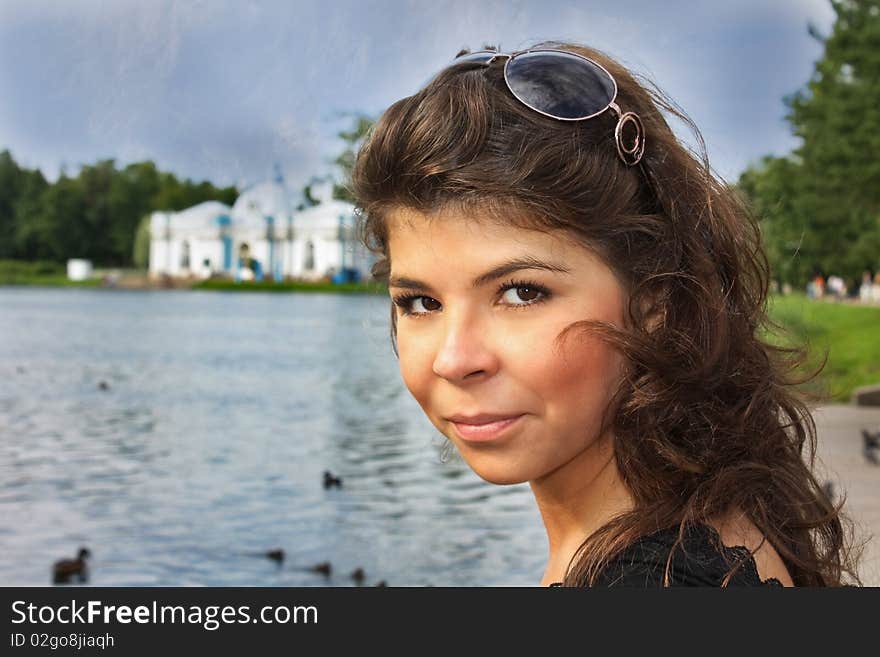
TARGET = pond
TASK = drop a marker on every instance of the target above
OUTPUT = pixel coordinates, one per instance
(179, 435)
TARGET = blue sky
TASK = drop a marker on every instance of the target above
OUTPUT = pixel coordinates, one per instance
(224, 89)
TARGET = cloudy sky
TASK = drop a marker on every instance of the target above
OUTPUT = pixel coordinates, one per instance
(225, 89)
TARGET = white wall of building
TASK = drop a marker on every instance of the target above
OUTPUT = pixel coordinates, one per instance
(200, 227)
(201, 250)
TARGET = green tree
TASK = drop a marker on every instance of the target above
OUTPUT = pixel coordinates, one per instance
(94, 215)
(774, 187)
(56, 229)
(10, 190)
(27, 210)
(820, 207)
(309, 201)
(176, 195)
(19, 188)
(140, 255)
(345, 161)
(131, 197)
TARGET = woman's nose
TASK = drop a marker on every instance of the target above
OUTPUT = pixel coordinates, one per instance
(465, 350)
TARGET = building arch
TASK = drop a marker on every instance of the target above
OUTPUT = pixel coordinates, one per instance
(184, 255)
(309, 264)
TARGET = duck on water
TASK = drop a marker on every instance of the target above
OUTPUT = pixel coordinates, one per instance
(64, 570)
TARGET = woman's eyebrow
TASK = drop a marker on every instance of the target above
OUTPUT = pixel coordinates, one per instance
(499, 271)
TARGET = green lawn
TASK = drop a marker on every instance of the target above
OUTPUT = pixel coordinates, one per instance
(18, 272)
(60, 280)
(289, 286)
(850, 332)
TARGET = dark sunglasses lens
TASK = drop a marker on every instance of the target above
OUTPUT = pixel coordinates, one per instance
(561, 84)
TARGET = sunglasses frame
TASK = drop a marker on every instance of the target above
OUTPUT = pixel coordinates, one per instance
(631, 154)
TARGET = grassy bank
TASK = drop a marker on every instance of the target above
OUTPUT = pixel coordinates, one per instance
(850, 333)
(290, 286)
(17, 272)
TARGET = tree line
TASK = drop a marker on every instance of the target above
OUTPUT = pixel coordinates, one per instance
(95, 214)
(819, 206)
(103, 212)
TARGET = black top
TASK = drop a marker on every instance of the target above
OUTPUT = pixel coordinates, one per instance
(699, 560)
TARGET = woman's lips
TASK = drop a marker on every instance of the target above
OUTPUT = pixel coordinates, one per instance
(487, 431)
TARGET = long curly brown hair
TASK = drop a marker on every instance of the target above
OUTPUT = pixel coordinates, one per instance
(709, 418)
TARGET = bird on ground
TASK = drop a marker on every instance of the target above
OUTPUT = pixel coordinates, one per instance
(871, 446)
(64, 569)
(358, 575)
(828, 489)
(330, 480)
(381, 583)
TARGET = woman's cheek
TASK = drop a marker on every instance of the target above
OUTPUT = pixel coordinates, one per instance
(582, 377)
(415, 368)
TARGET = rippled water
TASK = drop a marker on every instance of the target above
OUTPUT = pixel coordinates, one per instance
(221, 414)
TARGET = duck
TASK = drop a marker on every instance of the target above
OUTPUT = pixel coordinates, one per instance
(103, 385)
(324, 568)
(64, 569)
(330, 480)
(275, 555)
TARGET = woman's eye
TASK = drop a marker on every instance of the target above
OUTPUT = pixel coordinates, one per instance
(409, 304)
(513, 295)
(521, 295)
(427, 304)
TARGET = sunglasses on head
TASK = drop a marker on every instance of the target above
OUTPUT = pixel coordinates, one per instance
(567, 87)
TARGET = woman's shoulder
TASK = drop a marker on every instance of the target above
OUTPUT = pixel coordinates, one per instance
(736, 529)
(701, 558)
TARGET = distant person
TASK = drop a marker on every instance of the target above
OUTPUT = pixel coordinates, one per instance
(819, 286)
(836, 287)
(574, 305)
(813, 288)
(866, 291)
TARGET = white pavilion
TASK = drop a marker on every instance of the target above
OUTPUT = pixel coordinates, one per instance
(261, 236)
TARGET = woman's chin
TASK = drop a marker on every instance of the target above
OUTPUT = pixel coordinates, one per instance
(503, 480)
(496, 473)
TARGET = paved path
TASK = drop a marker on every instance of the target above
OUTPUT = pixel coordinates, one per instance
(840, 460)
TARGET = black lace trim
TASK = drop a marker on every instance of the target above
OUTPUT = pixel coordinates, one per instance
(739, 556)
(743, 556)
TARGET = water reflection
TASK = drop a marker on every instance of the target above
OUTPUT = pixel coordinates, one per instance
(209, 441)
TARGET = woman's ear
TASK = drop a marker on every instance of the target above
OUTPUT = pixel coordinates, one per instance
(653, 310)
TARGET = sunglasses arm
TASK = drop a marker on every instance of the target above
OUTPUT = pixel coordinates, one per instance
(631, 152)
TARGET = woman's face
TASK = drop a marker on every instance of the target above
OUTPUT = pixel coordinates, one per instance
(479, 339)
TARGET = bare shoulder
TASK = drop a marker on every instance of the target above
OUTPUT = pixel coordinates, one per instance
(737, 529)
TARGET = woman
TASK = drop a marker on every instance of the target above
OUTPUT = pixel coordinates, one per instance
(577, 303)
